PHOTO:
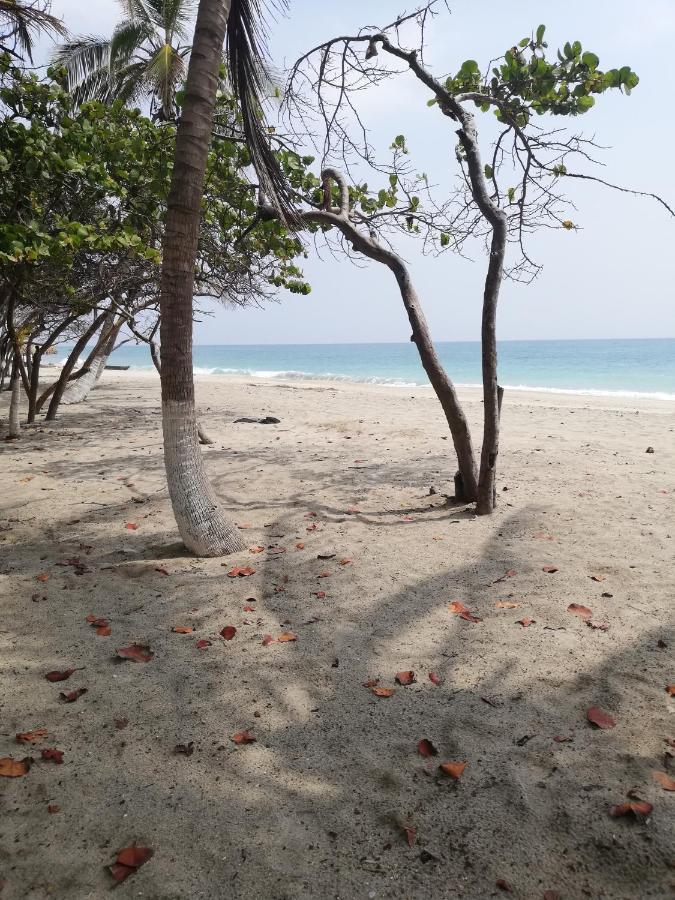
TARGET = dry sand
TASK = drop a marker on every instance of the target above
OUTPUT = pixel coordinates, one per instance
(317, 806)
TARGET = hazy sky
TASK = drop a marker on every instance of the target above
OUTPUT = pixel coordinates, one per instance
(611, 279)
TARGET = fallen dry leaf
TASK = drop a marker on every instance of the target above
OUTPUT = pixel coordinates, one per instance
(228, 632)
(324, 575)
(426, 748)
(460, 610)
(453, 769)
(31, 737)
(42, 577)
(300, 545)
(161, 570)
(435, 679)
(542, 536)
(319, 594)
(121, 723)
(599, 626)
(670, 689)
(287, 636)
(371, 683)
(597, 577)
(53, 808)
(240, 572)
(243, 737)
(267, 640)
(551, 895)
(670, 741)
(184, 749)
(310, 515)
(249, 608)
(128, 860)
(135, 652)
(257, 549)
(14, 768)
(506, 604)
(52, 753)
(578, 610)
(72, 696)
(410, 834)
(345, 562)
(405, 678)
(633, 807)
(203, 644)
(132, 526)
(562, 738)
(352, 510)
(666, 782)
(383, 692)
(503, 885)
(596, 716)
(526, 622)
(549, 569)
(182, 629)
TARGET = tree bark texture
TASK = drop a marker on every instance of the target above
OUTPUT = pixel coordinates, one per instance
(78, 391)
(202, 526)
(15, 403)
(56, 389)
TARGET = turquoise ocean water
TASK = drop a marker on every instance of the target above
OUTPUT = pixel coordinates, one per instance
(623, 367)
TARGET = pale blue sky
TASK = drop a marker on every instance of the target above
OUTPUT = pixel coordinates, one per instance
(611, 279)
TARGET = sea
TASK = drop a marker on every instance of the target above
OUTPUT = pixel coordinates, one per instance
(628, 368)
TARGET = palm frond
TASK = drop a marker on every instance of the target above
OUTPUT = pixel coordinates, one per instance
(164, 71)
(178, 16)
(127, 38)
(25, 21)
(246, 56)
(128, 83)
(83, 58)
(147, 11)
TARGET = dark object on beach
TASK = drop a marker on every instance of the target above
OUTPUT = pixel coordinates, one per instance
(268, 420)
(432, 491)
(649, 450)
(118, 368)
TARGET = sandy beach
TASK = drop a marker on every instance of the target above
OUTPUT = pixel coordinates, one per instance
(362, 556)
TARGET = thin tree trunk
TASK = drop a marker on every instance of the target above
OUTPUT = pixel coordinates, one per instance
(56, 390)
(15, 403)
(77, 391)
(33, 384)
(202, 526)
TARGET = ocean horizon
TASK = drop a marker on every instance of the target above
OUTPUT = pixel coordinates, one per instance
(628, 367)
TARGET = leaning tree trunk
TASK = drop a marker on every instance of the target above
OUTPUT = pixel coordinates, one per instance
(78, 391)
(15, 403)
(202, 526)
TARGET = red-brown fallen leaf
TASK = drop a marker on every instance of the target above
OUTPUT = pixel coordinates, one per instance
(240, 572)
(310, 515)
(267, 640)
(279, 589)
(119, 873)
(352, 510)
(324, 575)
(53, 808)
(632, 807)
(319, 594)
(596, 716)
(383, 692)
(161, 570)
(300, 545)
(121, 723)
(670, 741)
(313, 527)
(578, 610)
(542, 536)
(182, 629)
(372, 683)
(405, 678)
(461, 610)
(509, 573)
(103, 630)
(670, 689)
(243, 737)
(203, 644)
(31, 737)
(345, 562)
(666, 782)
(52, 753)
(287, 636)
(249, 608)
(135, 652)
(14, 768)
(134, 856)
(72, 696)
(245, 525)
(257, 549)
(598, 577)
(453, 769)
(503, 885)
(228, 632)
(506, 604)
(425, 747)
(551, 895)
(549, 569)
(526, 622)
(562, 738)
(132, 526)
(599, 626)
(435, 679)
(408, 519)
(410, 834)
(43, 576)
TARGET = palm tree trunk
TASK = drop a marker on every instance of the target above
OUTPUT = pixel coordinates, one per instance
(202, 526)
(78, 391)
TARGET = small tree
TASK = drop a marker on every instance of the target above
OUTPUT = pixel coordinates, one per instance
(502, 200)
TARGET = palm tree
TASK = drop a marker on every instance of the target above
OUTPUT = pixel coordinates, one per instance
(21, 21)
(146, 56)
(202, 526)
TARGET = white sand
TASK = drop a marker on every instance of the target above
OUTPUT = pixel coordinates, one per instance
(316, 807)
